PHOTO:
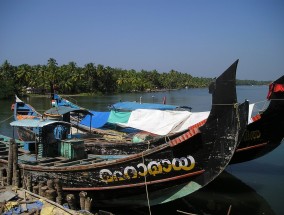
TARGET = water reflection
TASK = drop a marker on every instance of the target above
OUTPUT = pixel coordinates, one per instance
(225, 195)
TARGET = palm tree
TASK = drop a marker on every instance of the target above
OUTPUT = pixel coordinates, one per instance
(23, 74)
(52, 69)
(91, 75)
(7, 86)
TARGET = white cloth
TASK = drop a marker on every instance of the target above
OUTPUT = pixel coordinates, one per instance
(192, 120)
(163, 122)
(251, 106)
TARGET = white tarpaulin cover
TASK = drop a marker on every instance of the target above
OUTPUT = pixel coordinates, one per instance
(192, 120)
(163, 122)
(251, 106)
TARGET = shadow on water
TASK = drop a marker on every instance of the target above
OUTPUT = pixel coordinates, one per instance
(223, 194)
(262, 168)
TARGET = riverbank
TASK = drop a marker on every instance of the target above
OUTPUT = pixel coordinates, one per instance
(15, 200)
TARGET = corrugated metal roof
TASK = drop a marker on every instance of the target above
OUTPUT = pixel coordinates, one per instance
(33, 123)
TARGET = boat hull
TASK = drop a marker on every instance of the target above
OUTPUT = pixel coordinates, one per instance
(265, 133)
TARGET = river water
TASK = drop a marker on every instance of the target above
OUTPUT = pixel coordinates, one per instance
(254, 187)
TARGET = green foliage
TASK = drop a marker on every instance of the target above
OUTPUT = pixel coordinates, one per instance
(71, 79)
(7, 78)
(252, 82)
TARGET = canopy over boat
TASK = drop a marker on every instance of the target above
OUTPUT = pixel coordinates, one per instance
(32, 123)
(129, 106)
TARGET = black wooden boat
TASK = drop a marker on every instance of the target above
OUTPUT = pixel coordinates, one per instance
(177, 166)
(265, 132)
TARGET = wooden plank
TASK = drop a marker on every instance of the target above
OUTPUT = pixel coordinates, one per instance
(78, 162)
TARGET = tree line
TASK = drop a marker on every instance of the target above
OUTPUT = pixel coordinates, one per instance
(93, 79)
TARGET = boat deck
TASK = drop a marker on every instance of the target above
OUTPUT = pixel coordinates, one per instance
(25, 157)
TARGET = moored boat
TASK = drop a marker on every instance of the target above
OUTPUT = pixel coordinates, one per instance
(177, 166)
(264, 132)
(22, 110)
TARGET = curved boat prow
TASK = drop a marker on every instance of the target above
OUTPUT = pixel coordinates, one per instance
(274, 114)
(223, 90)
(18, 100)
(276, 94)
(224, 112)
(265, 132)
(224, 96)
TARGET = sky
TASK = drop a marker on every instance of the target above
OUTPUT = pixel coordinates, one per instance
(199, 37)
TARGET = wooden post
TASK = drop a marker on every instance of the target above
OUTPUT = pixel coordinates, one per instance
(43, 191)
(40, 185)
(58, 188)
(18, 178)
(10, 164)
(88, 204)
(50, 194)
(2, 177)
(50, 184)
(71, 201)
(15, 164)
(35, 190)
(82, 195)
(29, 182)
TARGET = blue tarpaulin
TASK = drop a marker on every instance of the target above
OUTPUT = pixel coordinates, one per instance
(99, 119)
(17, 209)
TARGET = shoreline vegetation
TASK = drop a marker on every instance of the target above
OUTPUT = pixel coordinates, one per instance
(70, 79)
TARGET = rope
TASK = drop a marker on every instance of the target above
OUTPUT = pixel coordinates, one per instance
(263, 106)
(146, 187)
(265, 103)
(6, 119)
(148, 143)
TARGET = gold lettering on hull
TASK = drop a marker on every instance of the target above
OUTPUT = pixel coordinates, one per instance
(153, 168)
(251, 135)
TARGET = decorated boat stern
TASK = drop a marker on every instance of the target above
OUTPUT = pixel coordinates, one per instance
(265, 131)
